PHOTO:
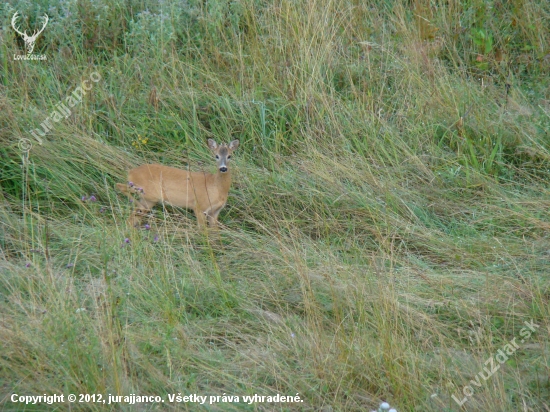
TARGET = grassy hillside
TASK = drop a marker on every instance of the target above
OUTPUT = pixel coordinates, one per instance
(386, 234)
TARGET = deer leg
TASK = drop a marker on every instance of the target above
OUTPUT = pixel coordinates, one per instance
(213, 218)
(213, 221)
(201, 217)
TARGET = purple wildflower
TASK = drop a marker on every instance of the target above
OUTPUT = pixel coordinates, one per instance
(147, 227)
(102, 209)
(83, 198)
(92, 198)
(27, 265)
(70, 265)
(126, 240)
(156, 239)
(131, 184)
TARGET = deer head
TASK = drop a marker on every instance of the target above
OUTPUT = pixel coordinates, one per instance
(29, 40)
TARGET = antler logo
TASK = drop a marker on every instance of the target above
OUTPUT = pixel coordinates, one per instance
(29, 40)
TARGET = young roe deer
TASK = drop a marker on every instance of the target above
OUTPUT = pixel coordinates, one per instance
(204, 193)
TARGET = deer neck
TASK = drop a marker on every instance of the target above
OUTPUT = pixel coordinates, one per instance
(223, 180)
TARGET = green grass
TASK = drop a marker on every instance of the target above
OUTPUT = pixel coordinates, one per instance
(386, 231)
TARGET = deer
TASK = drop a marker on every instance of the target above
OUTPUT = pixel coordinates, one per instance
(204, 193)
(29, 40)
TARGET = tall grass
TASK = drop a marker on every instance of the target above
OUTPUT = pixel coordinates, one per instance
(386, 231)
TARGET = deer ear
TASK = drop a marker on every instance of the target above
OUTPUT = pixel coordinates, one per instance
(234, 144)
(212, 144)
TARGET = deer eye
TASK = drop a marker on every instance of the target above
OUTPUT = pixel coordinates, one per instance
(217, 157)
(229, 157)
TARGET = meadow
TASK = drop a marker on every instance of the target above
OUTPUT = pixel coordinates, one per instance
(386, 236)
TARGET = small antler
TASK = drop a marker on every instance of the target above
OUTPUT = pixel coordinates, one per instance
(13, 22)
(45, 18)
